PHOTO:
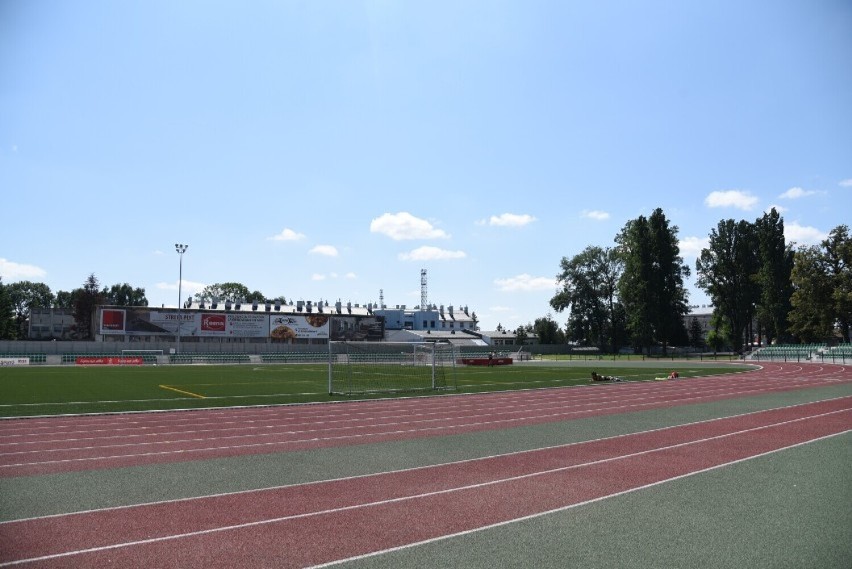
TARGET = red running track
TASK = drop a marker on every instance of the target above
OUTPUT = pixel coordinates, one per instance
(311, 524)
(50, 445)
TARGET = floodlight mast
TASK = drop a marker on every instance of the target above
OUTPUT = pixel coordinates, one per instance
(181, 249)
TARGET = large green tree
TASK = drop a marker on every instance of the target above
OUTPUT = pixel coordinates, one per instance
(589, 285)
(25, 296)
(547, 330)
(727, 270)
(229, 291)
(838, 253)
(8, 329)
(64, 299)
(651, 287)
(811, 318)
(822, 288)
(124, 295)
(774, 267)
(86, 301)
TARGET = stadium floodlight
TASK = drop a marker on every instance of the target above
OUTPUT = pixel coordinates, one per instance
(181, 249)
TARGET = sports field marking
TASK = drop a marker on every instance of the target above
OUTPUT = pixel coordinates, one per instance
(190, 393)
(130, 412)
(401, 499)
(568, 507)
(418, 468)
(313, 439)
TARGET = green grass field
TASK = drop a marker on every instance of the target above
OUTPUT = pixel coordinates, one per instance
(43, 390)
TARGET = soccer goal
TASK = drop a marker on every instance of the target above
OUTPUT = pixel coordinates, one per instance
(384, 367)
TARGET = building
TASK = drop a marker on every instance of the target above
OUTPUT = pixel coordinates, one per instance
(434, 318)
(51, 324)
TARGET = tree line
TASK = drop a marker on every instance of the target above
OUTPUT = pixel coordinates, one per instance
(760, 286)
(629, 294)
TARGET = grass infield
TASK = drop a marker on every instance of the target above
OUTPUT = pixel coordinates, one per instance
(43, 390)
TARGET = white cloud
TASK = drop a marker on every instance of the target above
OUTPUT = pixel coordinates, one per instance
(350, 276)
(796, 193)
(510, 220)
(778, 208)
(525, 283)
(731, 198)
(692, 246)
(847, 183)
(802, 234)
(427, 253)
(287, 235)
(188, 287)
(317, 277)
(403, 225)
(595, 214)
(325, 250)
(11, 271)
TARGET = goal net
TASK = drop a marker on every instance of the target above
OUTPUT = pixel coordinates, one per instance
(383, 367)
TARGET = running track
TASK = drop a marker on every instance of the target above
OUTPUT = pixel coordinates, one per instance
(271, 527)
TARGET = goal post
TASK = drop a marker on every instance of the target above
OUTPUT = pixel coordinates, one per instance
(387, 367)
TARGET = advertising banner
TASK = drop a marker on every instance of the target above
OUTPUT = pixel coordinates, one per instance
(112, 321)
(248, 325)
(144, 321)
(109, 361)
(7, 362)
(283, 328)
(211, 325)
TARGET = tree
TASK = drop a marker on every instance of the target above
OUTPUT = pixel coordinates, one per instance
(521, 336)
(651, 286)
(838, 261)
(726, 270)
(228, 291)
(124, 295)
(8, 330)
(64, 299)
(720, 334)
(589, 283)
(668, 272)
(822, 288)
(25, 296)
(548, 331)
(635, 285)
(696, 335)
(775, 265)
(86, 300)
(258, 296)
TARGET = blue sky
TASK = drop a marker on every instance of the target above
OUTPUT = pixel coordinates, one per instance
(330, 150)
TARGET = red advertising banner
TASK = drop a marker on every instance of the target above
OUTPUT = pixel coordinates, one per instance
(112, 321)
(109, 361)
(485, 361)
(213, 323)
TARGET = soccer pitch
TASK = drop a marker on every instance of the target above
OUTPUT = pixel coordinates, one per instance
(59, 390)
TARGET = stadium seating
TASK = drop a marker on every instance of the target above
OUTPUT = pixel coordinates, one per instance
(787, 352)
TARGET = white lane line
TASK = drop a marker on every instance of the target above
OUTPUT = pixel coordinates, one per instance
(457, 489)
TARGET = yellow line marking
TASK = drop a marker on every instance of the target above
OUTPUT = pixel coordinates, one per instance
(182, 391)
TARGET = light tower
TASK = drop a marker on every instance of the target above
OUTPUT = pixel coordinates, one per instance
(181, 249)
(424, 298)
